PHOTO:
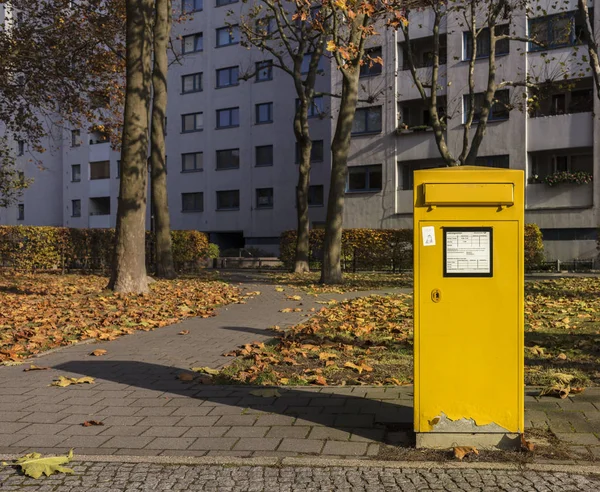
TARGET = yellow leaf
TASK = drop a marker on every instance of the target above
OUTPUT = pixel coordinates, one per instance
(286, 310)
(184, 332)
(561, 356)
(33, 465)
(294, 298)
(35, 368)
(331, 46)
(279, 289)
(327, 356)
(206, 370)
(63, 381)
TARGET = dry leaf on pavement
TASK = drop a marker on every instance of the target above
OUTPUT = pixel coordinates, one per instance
(184, 332)
(63, 381)
(33, 465)
(461, 451)
(98, 352)
(185, 376)
(526, 445)
(206, 370)
(35, 368)
(90, 423)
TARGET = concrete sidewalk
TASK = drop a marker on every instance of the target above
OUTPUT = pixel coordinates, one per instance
(146, 410)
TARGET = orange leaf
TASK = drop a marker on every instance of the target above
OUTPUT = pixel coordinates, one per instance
(526, 445)
(89, 423)
(184, 332)
(185, 376)
(461, 451)
(98, 352)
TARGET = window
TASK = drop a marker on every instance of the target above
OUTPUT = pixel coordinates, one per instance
(564, 97)
(316, 108)
(556, 31)
(75, 138)
(407, 168)
(316, 153)
(367, 120)
(370, 68)
(192, 122)
(189, 6)
(423, 53)
(315, 196)
(264, 198)
(192, 162)
(220, 3)
(306, 64)
(549, 162)
(191, 83)
(21, 147)
(265, 25)
(228, 159)
(228, 118)
(192, 43)
(99, 205)
(76, 172)
(226, 77)
(498, 111)
(484, 43)
(192, 202)
(75, 208)
(415, 114)
(501, 161)
(228, 200)
(364, 178)
(264, 113)
(264, 71)
(264, 155)
(21, 177)
(20, 211)
(100, 170)
(228, 35)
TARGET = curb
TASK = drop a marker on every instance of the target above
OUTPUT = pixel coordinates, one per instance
(317, 462)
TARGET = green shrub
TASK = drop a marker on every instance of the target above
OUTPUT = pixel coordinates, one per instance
(33, 247)
(533, 246)
(213, 250)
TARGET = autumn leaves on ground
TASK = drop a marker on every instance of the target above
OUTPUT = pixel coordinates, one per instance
(364, 341)
(42, 311)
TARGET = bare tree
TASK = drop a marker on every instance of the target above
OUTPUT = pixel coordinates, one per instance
(158, 182)
(129, 266)
(591, 43)
(290, 31)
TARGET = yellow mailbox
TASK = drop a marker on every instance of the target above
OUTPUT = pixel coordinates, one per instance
(468, 306)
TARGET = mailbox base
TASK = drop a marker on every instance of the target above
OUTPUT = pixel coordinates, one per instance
(480, 440)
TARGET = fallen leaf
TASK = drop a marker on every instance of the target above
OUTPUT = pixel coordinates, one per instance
(185, 376)
(359, 368)
(63, 381)
(461, 451)
(327, 356)
(33, 465)
(266, 393)
(286, 310)
(294, 298)
(98, 352)
(206, 370)
(526, 445)
(233, 353)
(90, 423)
(575, 391)
(35, 368)
(279, 289)
(561, 356)
(184, 332)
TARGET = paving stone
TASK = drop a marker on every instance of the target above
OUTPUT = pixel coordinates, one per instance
(41, 441)
(214, 443)
(191, 411)
(247, 432)
(170, 443)
(43, 429)
(87, 441)
(289, 431)
(354, 421)
(120, 420)
(132, 442)
(345, 448)
(162, 421)
(235, 420)
(271, 420)
(301, 445)
(42, 418)
(206, 432)
(199, 421)
(329, 433)
(579, 438)
(257, 444)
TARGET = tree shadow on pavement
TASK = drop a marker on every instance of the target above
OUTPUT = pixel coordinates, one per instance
(379, 416)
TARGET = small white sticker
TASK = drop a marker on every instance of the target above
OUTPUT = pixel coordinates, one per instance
(428, 236)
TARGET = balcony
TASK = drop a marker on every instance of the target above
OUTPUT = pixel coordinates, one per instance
(99, 187)
(99, 151)
(100, 221)
(542, 196)
(562, 131)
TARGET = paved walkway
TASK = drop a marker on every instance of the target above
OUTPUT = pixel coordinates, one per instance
(146, 410)
(105, 477)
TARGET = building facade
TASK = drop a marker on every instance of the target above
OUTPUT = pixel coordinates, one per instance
(231, 155)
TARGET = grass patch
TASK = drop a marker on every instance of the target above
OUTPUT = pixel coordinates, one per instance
(353, 282)
(369, 341)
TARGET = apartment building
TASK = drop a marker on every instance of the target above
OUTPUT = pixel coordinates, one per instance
(231, 154)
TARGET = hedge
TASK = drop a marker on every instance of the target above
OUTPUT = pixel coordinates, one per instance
(385, 249)
(373, 249)
(48, 248)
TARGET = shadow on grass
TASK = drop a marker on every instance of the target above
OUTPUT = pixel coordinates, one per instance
(373, 419)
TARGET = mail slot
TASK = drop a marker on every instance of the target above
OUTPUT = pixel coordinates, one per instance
(468, 309)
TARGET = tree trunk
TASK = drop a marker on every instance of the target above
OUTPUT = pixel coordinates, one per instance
(592, 45)
(301, 264)
(331, 272)
(129, 266)
(158, 183)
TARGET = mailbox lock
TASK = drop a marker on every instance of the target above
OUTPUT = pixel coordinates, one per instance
(436, 295)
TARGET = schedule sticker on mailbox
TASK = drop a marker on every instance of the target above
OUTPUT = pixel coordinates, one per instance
(468, 252)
